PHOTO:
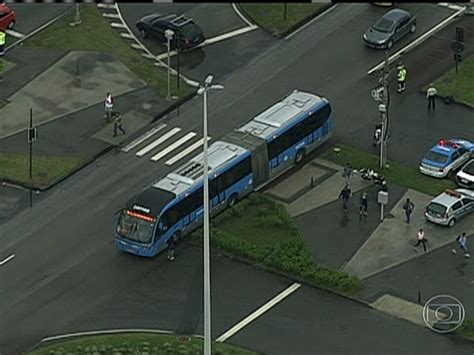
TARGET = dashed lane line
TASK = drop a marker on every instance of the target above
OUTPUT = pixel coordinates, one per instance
(244, 322)
(143, 138)
(173, 146)
(185, 152)
(6, 260)
(157, 142)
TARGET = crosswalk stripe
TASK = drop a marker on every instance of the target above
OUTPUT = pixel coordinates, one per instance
(143, 138)
(185, 152)
(14, 33)
(172, 147)
(157, 142)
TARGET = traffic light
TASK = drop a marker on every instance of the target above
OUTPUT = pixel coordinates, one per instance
(457, 57)
(459, 34)
(32, 135)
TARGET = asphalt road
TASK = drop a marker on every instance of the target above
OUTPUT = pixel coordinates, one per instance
(31, 16)
(66, 266)
(222, 58)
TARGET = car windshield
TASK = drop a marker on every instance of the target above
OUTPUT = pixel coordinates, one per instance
(469, 168)
(437, 157)
(135, 228)
(436, 209)
(384, 25)
(190, 30)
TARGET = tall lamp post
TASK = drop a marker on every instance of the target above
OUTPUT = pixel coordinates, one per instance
(203, 89)
(169, 36)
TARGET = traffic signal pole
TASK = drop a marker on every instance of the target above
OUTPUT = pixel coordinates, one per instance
(31, 154)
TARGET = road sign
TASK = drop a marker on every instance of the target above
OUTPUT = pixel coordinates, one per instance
(32, 134)
(457, 57)
(457, 47)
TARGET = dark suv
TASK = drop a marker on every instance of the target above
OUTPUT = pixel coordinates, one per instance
(187, 34)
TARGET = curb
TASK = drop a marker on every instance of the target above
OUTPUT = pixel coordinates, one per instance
(292, 28)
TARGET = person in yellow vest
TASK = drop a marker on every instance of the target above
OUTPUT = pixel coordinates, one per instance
(3, 37)
(401, 77)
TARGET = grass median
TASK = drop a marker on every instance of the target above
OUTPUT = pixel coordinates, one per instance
(95, 34)
(271, 16)
(399, 174)
(461, 85)
(45, 169)
(136, 343)
(261, 231)
(466, 330)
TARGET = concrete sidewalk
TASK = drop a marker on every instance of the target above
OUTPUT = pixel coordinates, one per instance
(392, 242)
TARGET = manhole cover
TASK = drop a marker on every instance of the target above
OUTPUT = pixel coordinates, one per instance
(389, 215)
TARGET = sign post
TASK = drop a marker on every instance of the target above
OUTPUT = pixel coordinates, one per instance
(458, 46)
(32, 136)
(382, 198)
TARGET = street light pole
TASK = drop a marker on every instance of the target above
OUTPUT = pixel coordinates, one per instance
(207, 274)
(169, 36)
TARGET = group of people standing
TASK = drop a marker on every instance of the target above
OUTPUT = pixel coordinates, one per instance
(431, 91)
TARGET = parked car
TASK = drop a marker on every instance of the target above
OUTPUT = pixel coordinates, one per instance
(391, 27)
(450, 206)
(187, 34)
(465, 176)
(446, 157)
(7, 17)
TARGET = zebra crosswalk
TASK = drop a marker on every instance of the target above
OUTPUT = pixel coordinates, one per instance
(161, 141)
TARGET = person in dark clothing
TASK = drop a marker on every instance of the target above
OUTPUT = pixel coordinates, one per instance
(171, 247)
(345, 194)
(118, 123)
(409, 207)
(363, 204)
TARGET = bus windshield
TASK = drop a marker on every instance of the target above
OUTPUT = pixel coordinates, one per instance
(136, 227)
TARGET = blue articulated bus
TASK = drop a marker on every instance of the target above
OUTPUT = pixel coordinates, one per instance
(239, 163)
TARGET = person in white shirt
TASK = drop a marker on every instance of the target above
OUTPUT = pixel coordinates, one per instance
(430, 94)
(109, 105)
(421, 240)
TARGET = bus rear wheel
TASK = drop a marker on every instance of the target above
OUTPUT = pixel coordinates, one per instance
(231, 200)
(299, 156)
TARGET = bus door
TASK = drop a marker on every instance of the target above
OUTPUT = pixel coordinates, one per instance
(220, 189)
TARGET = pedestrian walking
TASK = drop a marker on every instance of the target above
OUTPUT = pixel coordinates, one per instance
(363, 204)
(3, 38)
(431, 94)
(421, 240)
(347, 173)
(409, 207)
(117, 123)
(345, 194)
(171, 247)
(109, 106)
(461, 242)
(401, 77)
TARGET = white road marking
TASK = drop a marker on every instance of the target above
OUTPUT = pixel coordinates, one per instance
(311, 22)
(4, 261)
(244, 322)
(105, 6)
(185, 152)
(212, 40)
(240, 15)
(172, 147)
(108, 331)
(143, 138)
(126, 35)
(14, 33)
(116, 24)
(450, 6)
(109, 15)
(157, 142)
(418, 40)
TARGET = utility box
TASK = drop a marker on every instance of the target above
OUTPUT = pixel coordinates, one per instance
(382, 197)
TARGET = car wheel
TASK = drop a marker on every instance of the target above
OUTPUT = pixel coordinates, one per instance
(144, 33)
(389, 44)
(299, 156)
(450, 174)
(413, 28)
(11, 25)
(452, 222)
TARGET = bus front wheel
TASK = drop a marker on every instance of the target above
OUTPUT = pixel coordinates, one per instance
(299, 156)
